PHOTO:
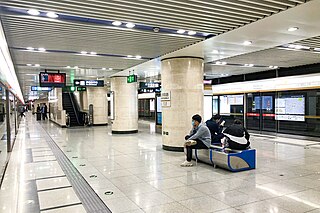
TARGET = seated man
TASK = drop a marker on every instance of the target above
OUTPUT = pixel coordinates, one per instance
(199, 138)
(215, 125)
(236, 136)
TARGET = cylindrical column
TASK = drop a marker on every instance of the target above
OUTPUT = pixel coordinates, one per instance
(97, 96)
(125, 106)
(182, 79)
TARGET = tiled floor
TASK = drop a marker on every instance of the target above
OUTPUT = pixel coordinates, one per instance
(131, 173)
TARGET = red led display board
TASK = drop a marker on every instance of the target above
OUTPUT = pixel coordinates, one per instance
(48, 79)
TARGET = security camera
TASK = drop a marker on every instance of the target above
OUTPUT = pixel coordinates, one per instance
(156, 29)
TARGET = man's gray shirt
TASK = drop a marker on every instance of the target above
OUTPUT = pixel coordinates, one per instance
(202, 133)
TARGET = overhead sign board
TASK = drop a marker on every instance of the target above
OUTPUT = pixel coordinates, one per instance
(89, 83)
(132, 78)
(48, 79)
(43, 89)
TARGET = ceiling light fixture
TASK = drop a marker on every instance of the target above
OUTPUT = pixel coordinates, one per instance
(29, 65)
(221, 63)
(110, 68)
(93, 53)
(273, 67)
(30, 48)
(130, 25)
(248, 65)
(68, 67)
(37, 65)
(33, 12)
(129, 56)
(76, 67)
(138, 56)
(292, 29)
(103, 68)
(52, 15)
(215, 52)
(83, 52)
(247, 42)
(41, 49)
(192, 33)
(181, 31)
(116, 23)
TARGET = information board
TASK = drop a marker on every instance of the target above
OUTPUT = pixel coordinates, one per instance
(52, 79)
(89, 83)
(291, 108)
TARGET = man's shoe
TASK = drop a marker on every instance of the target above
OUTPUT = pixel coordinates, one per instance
(191, 143)
(186, 164)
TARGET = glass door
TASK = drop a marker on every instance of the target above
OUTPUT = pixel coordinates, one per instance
(253, 111)
(261, 112)
(268, 122)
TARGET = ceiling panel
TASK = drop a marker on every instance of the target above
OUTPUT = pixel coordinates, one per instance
(203, 16)
(24, 32)
(209, 16)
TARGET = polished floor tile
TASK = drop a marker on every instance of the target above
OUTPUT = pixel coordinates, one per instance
(168, 208)
(57, 198)
(204, 204)
(147, 200)
(52, 183)
(70, 209)
(121, 205)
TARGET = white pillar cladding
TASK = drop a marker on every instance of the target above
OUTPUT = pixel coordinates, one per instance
(125, 106)
(182, 77)
(97, 96)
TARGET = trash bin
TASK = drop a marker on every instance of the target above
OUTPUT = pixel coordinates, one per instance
(38, 116)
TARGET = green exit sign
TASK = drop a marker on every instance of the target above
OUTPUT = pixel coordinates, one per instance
(132, 78)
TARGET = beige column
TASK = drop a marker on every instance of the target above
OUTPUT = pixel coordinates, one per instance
(182, 78)
(97, 96)
(125, 106)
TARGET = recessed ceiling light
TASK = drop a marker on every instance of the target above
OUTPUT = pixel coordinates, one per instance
(110, 68)
(116, 23)
(276, 67)
(221, 63)
(248, 65)
(130, 25)
(215, 52)
(291, 29)
(76, 67)
(41, 49)
(129, 56)
(247, 42)
(93, 53)
(68, 67)
(192, 32)
(30, 48)
(138, 56)
(291, 46)
(316, 49)
(103, 68)
(37, 65)
(33, 12)
(181, 31)
(83, 52)
(29, 65)
(52, 15)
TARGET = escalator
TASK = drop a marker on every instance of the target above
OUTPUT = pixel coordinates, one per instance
(72, 109)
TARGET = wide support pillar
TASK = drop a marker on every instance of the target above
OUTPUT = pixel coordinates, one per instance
(125, 106)
(182, 79)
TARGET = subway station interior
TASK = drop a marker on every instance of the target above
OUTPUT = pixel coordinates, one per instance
(171, 106)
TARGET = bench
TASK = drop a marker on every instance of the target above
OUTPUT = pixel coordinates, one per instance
(232, 160)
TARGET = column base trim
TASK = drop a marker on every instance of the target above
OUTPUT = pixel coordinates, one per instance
(173, 148)
(124, 132)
